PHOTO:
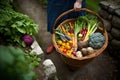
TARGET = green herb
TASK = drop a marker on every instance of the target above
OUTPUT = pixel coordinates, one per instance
(35, 59)
(13, 25)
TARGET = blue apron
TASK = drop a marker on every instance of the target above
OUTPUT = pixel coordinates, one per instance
(57, 7)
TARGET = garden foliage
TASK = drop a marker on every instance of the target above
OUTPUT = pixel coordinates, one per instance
(14, 25)
(14, 65)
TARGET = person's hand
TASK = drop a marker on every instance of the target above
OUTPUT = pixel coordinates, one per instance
(77, 4)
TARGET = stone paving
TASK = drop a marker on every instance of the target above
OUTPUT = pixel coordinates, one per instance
(101, 68)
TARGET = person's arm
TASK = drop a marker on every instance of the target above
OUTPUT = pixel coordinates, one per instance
(79, 1)
(78, 4)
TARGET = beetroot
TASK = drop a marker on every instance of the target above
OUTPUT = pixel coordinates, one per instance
(27, 39)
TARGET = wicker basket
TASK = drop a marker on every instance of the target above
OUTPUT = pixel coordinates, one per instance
(74, 61)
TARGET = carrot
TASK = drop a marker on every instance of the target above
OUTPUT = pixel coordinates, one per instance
(71, 26)
(73, 40)
(74, 43)
(63, 29)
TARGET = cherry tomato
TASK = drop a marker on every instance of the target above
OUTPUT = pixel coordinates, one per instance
(59, 42)
(64, 50)
(69, 53)
(70, 41)
(68, 47)
(61, 49)
(68, 34)
(71, 34)
(63, 44)
(67, 43)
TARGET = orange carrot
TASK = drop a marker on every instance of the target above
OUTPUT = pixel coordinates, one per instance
(63, 29)
(71, 26)
(73, 40)
(74, 43)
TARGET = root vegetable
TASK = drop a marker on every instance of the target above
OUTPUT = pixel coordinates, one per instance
(74, 43)
(79, 54)
(90, 50)
(82, 44)
(84, 51)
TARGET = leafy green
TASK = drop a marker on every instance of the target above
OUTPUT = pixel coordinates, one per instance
(80, 23)
(34, 58)
(14, 65)
(13, 25)
(92, 26)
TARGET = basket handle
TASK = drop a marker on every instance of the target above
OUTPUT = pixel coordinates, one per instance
(79, 9)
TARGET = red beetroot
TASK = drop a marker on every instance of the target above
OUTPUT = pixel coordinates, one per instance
(83, 32)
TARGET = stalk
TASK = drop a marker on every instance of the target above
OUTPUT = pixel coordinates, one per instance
(77, 28)
(92, 26)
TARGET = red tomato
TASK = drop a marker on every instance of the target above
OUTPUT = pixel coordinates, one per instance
(64, 50)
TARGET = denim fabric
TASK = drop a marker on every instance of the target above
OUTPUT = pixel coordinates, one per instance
(56, 7)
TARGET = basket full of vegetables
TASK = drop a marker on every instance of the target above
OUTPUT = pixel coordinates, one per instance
(81, 39)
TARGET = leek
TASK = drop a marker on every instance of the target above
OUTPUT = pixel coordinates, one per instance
(92, 27)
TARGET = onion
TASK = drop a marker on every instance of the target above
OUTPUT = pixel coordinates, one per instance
(79, 54)
(90, 50)
(84, 51)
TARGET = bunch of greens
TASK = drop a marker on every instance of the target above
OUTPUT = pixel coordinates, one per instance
(14, 65)
(14, 25)
(89, 22)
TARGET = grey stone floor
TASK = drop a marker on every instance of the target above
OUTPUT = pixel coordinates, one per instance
(101, 68)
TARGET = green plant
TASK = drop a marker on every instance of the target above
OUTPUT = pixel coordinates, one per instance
(34, 57)
(14, 25)
(44, 2)
(14, 65)
(93, 4)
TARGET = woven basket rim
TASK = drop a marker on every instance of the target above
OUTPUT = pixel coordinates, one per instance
(102, 28)
(97, 52)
